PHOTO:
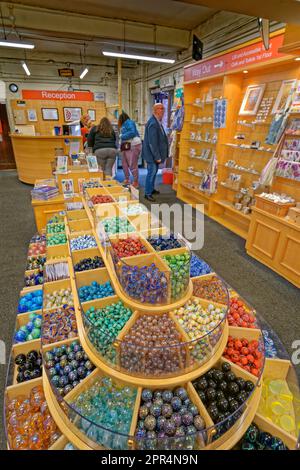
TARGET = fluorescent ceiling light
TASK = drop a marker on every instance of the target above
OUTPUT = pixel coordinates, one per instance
(138, 57)
(83, 73)
(20, 45)
(27, 71)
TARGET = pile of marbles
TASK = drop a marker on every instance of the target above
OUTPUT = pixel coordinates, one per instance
(38, 238)
(56, 219)
(180, 273)
(212, 289)
(36, 249)
(223, 393)
(31, 330)
(131, 246)
(109, 407)
(146, 284)
(29, 366)
(95, 291)
(239, 315)
(164, 242)
(29, 423)
(168, 419)
(199, 267)
(134, 209)
(59, 325)
(70, 446)
(57, 239)
(34, 279)
(104, 325)
(83, 242)
(66, 366)
(153, 346)
(255, 439)
(31, 301)
(55, 228)
(114, 225)
(35, 262)
(244, 353)
(276, 404)
(89, 263)
(101, 199)
(56, 271)
(58, 298)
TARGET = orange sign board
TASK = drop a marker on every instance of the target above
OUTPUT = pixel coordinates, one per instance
(239, 59)
(57, 95)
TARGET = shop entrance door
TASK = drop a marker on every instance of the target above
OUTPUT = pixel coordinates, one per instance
(7, 159)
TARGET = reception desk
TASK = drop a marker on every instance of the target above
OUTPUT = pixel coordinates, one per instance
(34, 154)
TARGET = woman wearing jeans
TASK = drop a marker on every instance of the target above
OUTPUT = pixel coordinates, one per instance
(102, 139)
(131, 146)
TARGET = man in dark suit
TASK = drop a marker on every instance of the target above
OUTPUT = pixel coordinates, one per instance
(155, 148)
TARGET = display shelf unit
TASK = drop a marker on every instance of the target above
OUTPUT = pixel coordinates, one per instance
(233, 86)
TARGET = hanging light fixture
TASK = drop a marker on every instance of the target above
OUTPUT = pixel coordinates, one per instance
(24, 65)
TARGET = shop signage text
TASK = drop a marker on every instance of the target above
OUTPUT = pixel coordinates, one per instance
(57, 95)
(239, 59)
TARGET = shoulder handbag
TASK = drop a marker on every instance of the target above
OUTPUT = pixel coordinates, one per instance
(125, 146)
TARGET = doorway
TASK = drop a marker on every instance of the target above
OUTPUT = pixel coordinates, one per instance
(7, 159)
(166, 98)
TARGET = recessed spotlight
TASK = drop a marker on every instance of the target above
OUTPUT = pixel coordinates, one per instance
(297, 58)
(245, 71)
(197, 82)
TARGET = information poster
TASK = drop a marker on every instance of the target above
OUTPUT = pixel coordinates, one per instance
(220, 110)
(92, 163)
(68, 188)
(62, 164)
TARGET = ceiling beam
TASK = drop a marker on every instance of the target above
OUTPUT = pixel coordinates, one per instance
(287, 11)
(70, 24)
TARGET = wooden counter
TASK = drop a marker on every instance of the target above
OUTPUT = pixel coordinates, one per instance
(34, 154)
(275, 242)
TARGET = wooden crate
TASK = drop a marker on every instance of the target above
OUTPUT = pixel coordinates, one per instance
(96, 192)
(57, 251)
(125, 236)
(275, 208)
(19, 348)
(79, 225)
(79, 255)
(76, 214)
(103, 211)
(84, 278)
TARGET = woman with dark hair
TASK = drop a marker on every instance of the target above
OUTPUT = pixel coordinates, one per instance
(131, 146)
(102, 139)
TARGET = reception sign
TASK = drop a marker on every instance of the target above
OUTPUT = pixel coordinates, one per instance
(239, 59)
(57, 95)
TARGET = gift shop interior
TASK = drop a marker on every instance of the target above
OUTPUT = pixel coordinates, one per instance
(119, 330)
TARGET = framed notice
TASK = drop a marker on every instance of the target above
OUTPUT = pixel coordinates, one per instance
(50, 114)
(31, 115)
(252, 99)
(72, 114)
(284, 95)
(92, 163)
(92, 114)
(68, 188)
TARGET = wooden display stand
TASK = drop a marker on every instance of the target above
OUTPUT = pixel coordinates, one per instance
(223, 206)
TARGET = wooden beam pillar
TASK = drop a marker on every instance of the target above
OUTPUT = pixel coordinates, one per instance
(120, 85)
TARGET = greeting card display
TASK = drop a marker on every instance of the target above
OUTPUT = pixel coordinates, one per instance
(68, 188)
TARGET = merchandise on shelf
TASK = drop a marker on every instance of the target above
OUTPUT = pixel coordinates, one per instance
(95, 291)
(31, 330)
(74, 206)
(212, 288)
(103, 326)
(59, 325)
(55, 228)
(223, 394)
(37, 248)
(246, 354)
(56, 271)
(240, 315)
(35, 262)
(277, 405)
(153, 347)
(101, 199)
(56, 219)
(34, 279)
(164, 242)
(255, 439)
(29, 366)
(168, 419)
(66, 366)
(106, 407)
(31, 301)
(199, 267)
(134, 209)
(58, 298)
(58, 239)
(116, 225)
(83, 242)
(180, 273)
(89, 263)
(29, 423)
(130, 246)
